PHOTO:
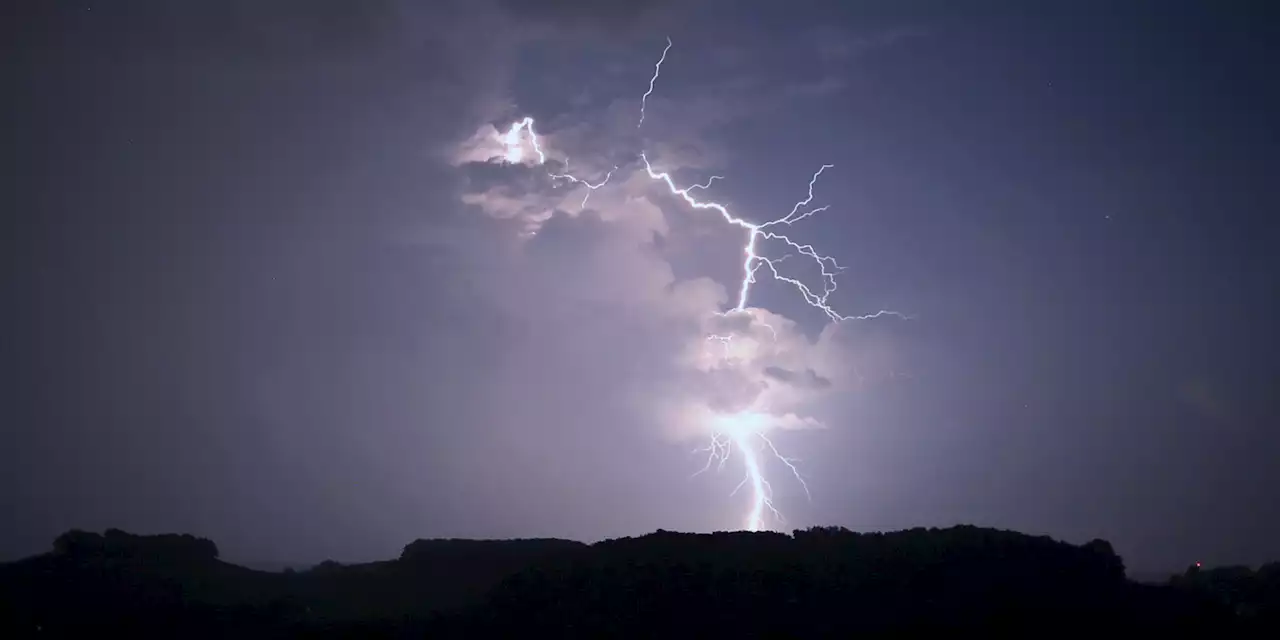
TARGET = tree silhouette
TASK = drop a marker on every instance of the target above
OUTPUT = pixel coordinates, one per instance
(819, 581)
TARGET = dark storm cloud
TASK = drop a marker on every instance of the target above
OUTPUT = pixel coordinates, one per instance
(228, 185)
(482, 177)
(586, 16)
(241, 30)
(841, 44)
(807, 379)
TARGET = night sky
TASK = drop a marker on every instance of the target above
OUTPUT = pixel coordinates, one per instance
(267, 281)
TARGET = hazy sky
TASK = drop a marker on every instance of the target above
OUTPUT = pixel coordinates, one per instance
(268, 279)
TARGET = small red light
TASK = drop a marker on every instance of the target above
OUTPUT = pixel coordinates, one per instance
(1197, 565)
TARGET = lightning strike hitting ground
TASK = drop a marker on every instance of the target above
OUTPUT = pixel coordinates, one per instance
(744, 431)
(740, 428)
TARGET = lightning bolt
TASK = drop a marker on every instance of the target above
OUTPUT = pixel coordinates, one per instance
(707, 184)
(512, 141)
(591, 188)
(740, 429)
(753, 261)
(657, 69)
(515, 150)
(743, 432)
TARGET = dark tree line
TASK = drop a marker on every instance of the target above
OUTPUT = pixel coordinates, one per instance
(114, 543)
(1254, 596)
(818, 582)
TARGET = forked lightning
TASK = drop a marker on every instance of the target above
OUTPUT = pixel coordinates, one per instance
(744, 431)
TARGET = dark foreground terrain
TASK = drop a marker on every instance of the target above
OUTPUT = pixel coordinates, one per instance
(819, 582)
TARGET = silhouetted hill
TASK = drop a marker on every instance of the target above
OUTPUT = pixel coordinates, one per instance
(816, 582)
(828, 581)
(131, 582)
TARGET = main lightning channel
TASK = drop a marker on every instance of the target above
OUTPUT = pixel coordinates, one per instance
(753, 261)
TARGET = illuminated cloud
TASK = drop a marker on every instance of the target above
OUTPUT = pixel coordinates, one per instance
(595, 261)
